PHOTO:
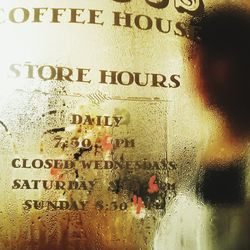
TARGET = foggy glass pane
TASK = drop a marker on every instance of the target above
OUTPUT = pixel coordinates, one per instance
(124, 125)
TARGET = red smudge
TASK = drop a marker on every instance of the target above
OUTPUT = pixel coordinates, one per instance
(138, 204)
(106, 144)
(153, 188)
(57, 173)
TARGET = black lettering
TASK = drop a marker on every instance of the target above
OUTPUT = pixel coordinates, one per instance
(129, 78)
(118, 18)
(38, 14)
(94, 15)
(64, 73)
(51, 73)
(76, 119)
(104, 75)
(56, 13)
(24, 15)
(159, 4)
(148, 22)
(74, 14)
(159, 79)
(159, 25)
(181, 28)
(176, 80)
(16, 184)
(82, 73)
(14, 163)
(15, 70)
(27, 205)
(34, 163)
